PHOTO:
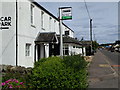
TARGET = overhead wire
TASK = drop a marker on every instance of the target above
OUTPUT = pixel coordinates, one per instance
(87, 9)
(89, 16)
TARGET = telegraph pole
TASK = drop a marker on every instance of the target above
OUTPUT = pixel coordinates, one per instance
(91, 33)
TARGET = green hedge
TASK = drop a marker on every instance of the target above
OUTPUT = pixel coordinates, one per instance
(54, 72)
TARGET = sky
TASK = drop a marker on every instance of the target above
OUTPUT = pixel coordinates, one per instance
(104, 15)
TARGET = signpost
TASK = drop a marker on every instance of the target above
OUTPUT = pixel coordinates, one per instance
(65, 13)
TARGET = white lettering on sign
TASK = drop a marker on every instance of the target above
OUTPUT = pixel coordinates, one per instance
(5, 22)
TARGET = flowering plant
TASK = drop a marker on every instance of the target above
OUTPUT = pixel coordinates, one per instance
(12, 83)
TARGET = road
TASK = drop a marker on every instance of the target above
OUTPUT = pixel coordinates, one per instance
(101, 74)
(113, 58)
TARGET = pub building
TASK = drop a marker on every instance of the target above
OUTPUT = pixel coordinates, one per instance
(32, 33)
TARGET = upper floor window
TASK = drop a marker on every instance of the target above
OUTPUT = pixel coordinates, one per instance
(42, 19)
(67, 33)
(50, 21)
(32, 14)
(54, 25)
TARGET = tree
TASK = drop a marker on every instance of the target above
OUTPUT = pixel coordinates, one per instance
(95, 45)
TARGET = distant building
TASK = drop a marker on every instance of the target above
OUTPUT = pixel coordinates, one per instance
(30, 32)
(86, 47)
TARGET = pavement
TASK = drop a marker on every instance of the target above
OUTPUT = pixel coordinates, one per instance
(101, 74)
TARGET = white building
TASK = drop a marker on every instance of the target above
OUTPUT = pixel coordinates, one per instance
(30, 32)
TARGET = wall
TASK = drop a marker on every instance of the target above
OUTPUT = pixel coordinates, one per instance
(77, 50)
(9, 35)
(26, 34)
(0, 36)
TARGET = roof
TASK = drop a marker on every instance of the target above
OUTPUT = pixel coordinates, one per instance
(86, 43)
(46, 37)
(67, 39)
(117, 42)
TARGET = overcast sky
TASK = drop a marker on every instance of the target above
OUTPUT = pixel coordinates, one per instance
(104, 15)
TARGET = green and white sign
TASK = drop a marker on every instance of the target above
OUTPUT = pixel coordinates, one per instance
(66, 13)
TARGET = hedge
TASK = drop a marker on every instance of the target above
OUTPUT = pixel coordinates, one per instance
(54, 72)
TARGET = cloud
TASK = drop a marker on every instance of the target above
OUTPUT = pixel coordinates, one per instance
(104, 17)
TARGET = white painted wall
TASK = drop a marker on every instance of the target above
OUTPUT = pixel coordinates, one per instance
(71, 33)
(76, 50)
(26, 34)
(9, 36)
(0, 35)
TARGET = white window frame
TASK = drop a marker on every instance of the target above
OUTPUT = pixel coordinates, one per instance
(42, 20)
(32, 14)
(27, 49)
(54, 25)
(50, 23)
(65, 47)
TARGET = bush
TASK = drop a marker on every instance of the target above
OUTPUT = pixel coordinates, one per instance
(54, 72)
(76, 62)
(17, 74)
(12, 83)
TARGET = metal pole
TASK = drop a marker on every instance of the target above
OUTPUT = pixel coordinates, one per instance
(61, 39)
(91, 33)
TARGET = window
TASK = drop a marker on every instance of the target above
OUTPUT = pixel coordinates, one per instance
(65, 50)
(54, 25)
(42, 19)
(73, 46)
(27, 49)
(50, 20)
(32, 14)
(67, 33)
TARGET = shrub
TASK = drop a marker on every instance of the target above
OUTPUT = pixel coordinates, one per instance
(12, 83)
(21, 77)
(54, 72)
(76, 62)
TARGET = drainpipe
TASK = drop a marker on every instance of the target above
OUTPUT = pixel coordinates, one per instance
(16, 33)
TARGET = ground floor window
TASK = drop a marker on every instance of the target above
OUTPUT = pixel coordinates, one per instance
(65, 50)
(27, 49)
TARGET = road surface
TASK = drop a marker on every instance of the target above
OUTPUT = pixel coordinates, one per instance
(101, 74)
(113, 58)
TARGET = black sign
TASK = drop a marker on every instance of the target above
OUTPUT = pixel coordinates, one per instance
(5, 22)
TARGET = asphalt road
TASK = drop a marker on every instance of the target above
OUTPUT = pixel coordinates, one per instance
(101, 74)
(113, 58)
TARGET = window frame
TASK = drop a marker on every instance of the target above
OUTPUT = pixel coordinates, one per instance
(50, 23)
(32, 14)
(42, 20)
(27, 49)
(65, 49)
